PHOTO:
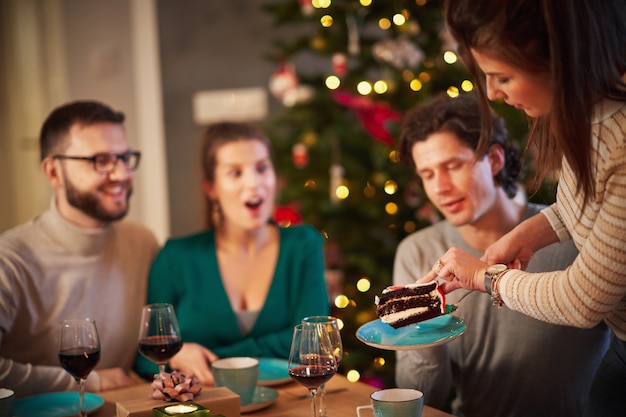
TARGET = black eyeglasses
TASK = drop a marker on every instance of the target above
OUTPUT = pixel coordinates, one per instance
(106, 162)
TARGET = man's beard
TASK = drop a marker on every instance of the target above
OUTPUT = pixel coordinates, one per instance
(88, 203)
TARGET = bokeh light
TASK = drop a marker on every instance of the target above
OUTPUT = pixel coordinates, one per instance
(353, 375)
(453, 91)
(333, 82)
(379, 362)
(364, 88)
(391, 208)
(399, 19)
(363, 284)
(342, 192)
(450, 57)
(340, 323)
(467, 86)
(384, 23)
(326, 21)
(416, 85)
(321, 4)
(341, 301)
(380, 87)
(390, 187)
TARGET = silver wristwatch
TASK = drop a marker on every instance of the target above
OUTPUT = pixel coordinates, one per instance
(491, 276)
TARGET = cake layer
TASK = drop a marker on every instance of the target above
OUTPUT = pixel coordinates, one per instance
(400, 306)
(410, 318)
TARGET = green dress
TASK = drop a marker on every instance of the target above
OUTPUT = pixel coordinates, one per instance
(186, 274)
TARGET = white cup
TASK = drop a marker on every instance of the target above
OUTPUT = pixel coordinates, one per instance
(7, 397)
(239, 374)
(395, 402)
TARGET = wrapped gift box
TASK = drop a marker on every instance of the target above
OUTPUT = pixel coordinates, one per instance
(217, 400)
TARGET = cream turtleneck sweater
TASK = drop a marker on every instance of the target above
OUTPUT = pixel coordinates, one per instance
(50, 270)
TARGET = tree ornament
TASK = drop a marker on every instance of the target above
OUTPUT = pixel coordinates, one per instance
(354, 43)
(283, 80)
(401, 53)
(300, 155)
(288, 215)
(336, 180)
(306, 6)
(301, 94)
(340, 64)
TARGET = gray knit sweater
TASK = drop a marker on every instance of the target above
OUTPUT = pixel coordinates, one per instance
(506, 364)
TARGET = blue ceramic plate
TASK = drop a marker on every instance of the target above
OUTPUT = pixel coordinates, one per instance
(263, 397)
(421, 335)
(273, 371)
(55, 404)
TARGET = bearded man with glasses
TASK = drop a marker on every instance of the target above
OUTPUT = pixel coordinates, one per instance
(76, 259)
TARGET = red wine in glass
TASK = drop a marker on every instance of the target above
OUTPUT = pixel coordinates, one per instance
(311, 360)
(160, 349)
(332, 325)
(79, 361)
(159, 334)
(312, 376)
(79, 352)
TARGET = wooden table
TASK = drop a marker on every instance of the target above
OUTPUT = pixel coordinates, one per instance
(292, 400)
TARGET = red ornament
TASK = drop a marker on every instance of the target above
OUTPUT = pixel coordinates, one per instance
(300, 155)
(286, 216)
(340, 64)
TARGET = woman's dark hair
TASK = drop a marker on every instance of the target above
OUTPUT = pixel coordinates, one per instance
(578, 46)
(53, 137)
(213, 138)
(461, 117)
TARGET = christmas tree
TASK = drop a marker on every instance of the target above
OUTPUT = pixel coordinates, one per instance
(344, 81)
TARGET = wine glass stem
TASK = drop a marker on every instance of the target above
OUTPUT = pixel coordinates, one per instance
(322, 401)
(316, 411)
(161, 369)
(81, 395)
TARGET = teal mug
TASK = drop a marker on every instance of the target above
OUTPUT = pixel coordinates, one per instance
(395, 402)
(239, 374)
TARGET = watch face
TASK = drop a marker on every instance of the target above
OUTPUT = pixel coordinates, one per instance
(496, 269)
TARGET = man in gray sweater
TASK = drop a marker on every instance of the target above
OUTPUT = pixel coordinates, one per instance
(506, 364)
(76, 259)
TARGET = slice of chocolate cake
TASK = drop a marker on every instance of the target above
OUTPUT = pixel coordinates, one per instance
(400, 306)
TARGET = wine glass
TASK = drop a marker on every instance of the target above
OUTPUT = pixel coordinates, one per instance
(79, 352)
(159, 334)
(332, 326)
(311, 360)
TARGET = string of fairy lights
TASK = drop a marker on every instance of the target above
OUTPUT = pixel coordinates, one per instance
(373, 87)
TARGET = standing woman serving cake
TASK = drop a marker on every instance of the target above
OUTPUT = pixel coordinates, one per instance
(241, 286)
(563, 62)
